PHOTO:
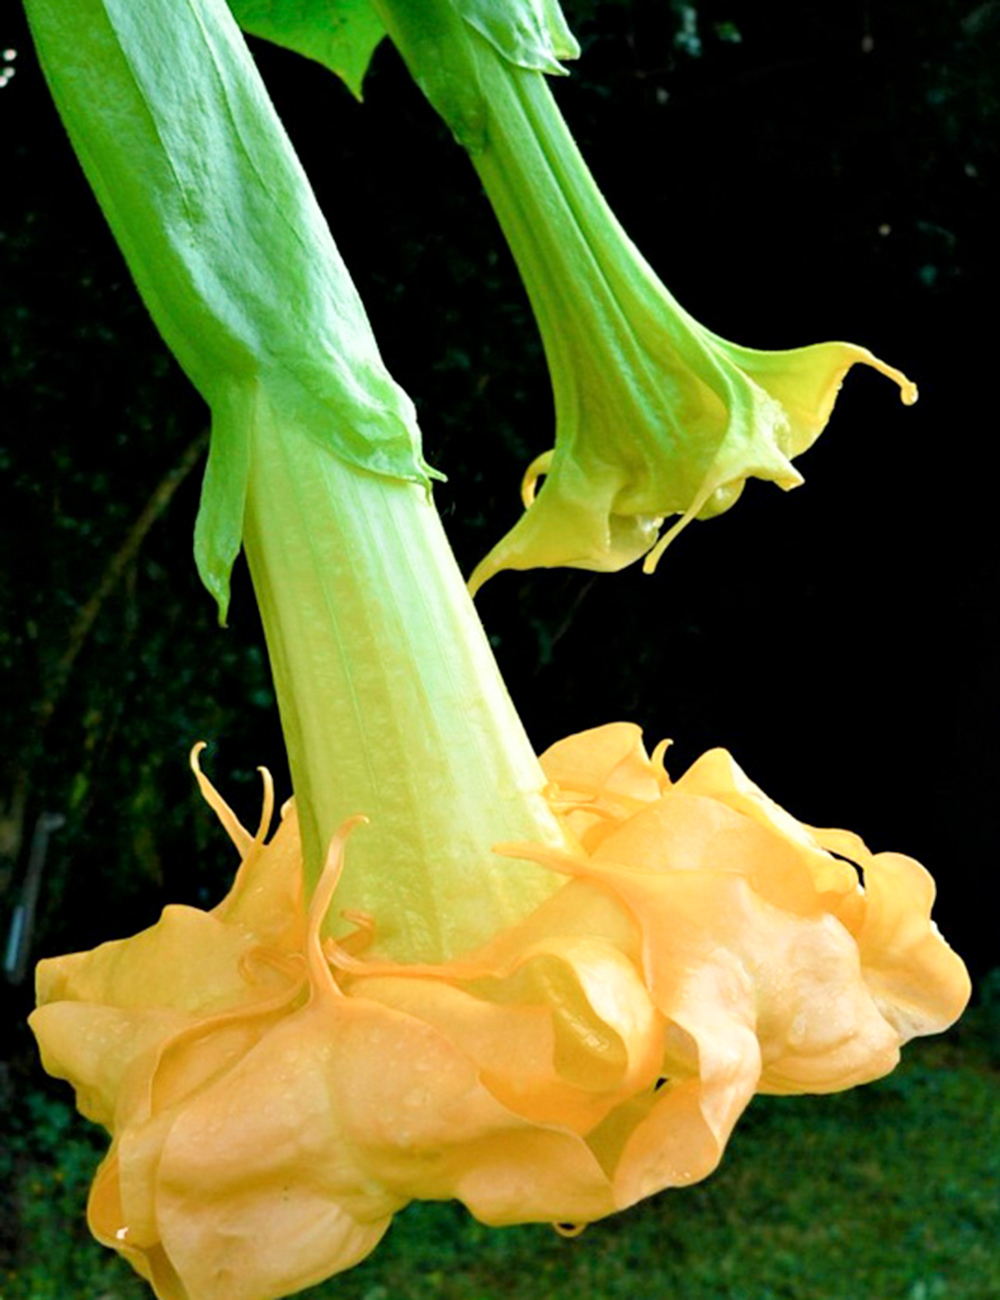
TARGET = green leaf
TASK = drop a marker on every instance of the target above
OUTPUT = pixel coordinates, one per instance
(218, 530)
(340, 34)
(531, 34)
(225, 240)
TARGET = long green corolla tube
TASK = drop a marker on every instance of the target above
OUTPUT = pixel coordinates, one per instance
(390, 700)
(655, 415)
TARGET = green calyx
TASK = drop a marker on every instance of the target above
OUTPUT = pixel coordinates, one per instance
(225, 240)
(450, 47)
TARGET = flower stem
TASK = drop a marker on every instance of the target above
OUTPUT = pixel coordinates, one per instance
(556, 221)
(560, 229)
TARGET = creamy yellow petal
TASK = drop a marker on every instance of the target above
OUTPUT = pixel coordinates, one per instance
(921, 985)
(601, 776)
(717, 775)
(92, 1046)
(267, 897)
(561, 1039)
(684, 832)
(189, 960)
(258, 1191)
(608, 760)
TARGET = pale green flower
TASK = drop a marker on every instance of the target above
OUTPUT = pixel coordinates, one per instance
(677, 435)
(658, 421)
(656, 417)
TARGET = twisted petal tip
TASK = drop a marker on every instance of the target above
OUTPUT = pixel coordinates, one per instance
(614, 478)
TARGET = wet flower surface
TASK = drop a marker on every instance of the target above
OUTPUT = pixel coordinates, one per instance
(275, 1096)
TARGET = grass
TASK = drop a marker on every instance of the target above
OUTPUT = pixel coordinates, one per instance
(890, 1192)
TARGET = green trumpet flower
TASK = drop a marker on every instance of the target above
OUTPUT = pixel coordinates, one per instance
(678, 434)
(656, 417)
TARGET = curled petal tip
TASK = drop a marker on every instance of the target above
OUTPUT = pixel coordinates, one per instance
(908, 391)
(232, 825)
(343, 833)
(326, 887)
(267, 806)
(538, 468)
(480, 574)
(652, 558)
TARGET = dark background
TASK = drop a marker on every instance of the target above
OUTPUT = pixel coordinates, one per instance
(794, 173)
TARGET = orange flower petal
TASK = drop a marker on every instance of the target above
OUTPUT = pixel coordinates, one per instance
(275, 1097)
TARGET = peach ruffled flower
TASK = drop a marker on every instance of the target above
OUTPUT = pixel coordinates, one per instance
(274, 1097)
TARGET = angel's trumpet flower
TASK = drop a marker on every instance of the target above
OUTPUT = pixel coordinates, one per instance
(275, 1098)
(657, 419)
(547, 1033)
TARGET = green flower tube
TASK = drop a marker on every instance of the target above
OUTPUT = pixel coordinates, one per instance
(656, 417)
(390, 700)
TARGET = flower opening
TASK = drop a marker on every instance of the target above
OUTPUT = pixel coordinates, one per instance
(657, 418)
(274, 1096)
